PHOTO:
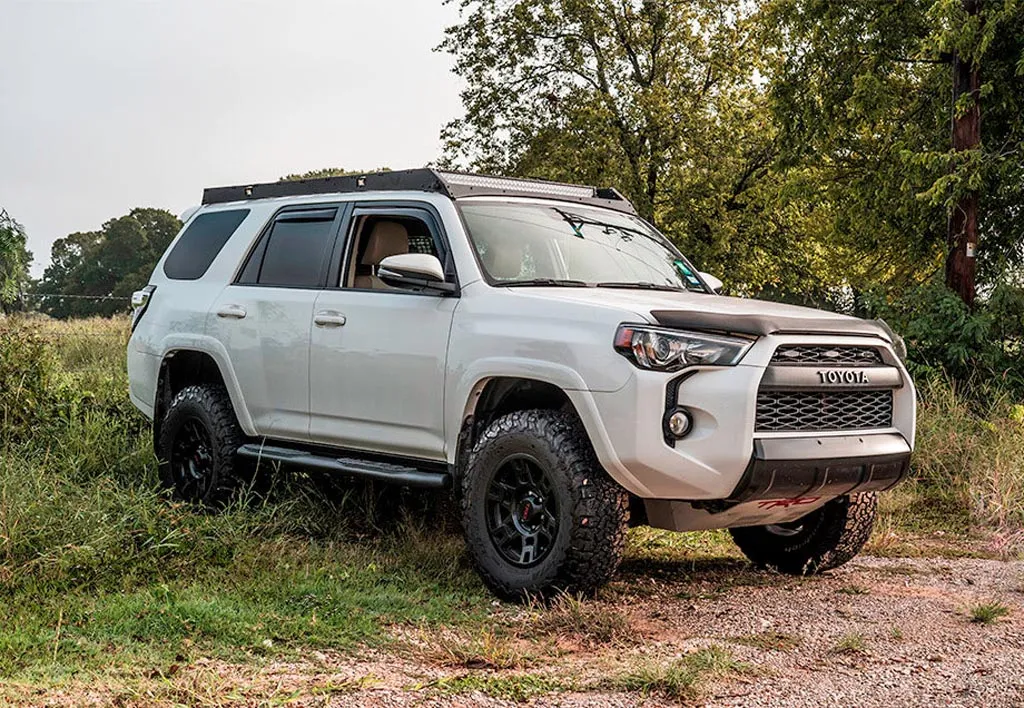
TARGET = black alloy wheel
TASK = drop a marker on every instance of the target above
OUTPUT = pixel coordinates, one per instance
(192, 460)
(522, 511)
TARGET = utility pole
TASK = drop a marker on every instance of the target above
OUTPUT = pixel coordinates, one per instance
(961, 263)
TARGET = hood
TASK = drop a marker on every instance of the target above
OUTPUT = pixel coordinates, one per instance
(684, 310)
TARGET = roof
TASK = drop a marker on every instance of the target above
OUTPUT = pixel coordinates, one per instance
(455, 185)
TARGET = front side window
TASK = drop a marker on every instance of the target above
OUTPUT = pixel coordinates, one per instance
(540, 244)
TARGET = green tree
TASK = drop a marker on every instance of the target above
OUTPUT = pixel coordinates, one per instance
(328, 172)
(662, 99)
(861, 98)
(106, 265)
(14, 260)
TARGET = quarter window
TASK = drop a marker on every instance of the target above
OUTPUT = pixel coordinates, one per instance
(202, 241)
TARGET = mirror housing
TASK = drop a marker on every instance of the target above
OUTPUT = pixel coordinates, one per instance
(714, 283)
(414, 271)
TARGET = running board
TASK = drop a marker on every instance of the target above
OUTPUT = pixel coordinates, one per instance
(367, 469)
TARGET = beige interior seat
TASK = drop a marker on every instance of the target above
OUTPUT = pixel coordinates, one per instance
(388, 238)
(504, 262)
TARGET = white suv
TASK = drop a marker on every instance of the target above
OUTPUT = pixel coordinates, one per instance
(536, 347)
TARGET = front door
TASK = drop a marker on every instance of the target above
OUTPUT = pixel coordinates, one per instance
(378, 354)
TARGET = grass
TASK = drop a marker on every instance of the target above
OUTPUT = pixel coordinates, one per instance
(988, 612)
(512, 687)
(101, 575)
(682, 679)
(852, 643)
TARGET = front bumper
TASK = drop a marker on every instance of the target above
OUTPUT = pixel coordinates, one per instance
(723, 458)
(797, 468)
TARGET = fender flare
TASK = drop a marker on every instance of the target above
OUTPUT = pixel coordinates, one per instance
(213, 348)
(474, 378)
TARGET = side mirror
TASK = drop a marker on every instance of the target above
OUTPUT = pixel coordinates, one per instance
(713, 282)
(414, 271)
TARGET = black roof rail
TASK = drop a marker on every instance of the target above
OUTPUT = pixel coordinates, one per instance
(452, 184)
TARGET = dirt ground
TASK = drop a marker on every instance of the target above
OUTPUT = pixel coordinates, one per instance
(878, 632)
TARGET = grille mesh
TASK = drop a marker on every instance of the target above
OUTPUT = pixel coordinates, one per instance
(779, 411)
(797, 355)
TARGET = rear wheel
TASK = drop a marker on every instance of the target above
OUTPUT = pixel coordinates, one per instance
(198, 440)
(539, 513)
(826, 538)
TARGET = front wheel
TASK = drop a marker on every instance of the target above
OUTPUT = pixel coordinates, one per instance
(826, 538)
(539, 513)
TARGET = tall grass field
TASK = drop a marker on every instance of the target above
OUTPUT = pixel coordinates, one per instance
(102, 575)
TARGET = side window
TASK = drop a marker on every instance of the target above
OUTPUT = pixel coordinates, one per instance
(194, 252)
(294, 252)
(378, 236)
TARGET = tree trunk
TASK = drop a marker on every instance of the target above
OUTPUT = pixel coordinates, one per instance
(961, 264)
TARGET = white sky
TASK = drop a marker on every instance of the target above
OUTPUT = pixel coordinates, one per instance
(107, 105)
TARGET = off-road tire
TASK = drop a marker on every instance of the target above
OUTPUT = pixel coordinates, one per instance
(827, 538)
(224, 477)
(592, 510)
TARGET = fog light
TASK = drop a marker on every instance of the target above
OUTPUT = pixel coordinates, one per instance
(680, 423)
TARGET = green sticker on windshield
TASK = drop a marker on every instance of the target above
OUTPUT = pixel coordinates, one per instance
(690, 276)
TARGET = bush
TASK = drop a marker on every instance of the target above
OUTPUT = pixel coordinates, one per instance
(34, 393)
(982, 350)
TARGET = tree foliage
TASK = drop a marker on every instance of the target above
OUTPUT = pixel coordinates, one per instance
(110, 263)
(328, 172)
(798, 147)
(14, 259)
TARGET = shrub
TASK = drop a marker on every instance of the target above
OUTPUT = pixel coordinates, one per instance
(982, 348)
(33, 389)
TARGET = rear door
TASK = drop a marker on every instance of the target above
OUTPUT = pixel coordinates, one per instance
(263, 318)
(378, 354)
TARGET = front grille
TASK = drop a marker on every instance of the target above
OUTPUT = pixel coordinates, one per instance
(779, 411)
(798, 355)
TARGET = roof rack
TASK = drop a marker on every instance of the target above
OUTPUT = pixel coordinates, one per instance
(455, 185)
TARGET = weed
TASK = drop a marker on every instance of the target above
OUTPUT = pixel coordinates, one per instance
(682, 679)
(487, 651)
(988, 612)
(896, 633)
(852, 643)
(853, 590)
(511, 687)
(575, 616)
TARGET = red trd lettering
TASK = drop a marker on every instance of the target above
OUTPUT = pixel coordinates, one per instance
(786, 503)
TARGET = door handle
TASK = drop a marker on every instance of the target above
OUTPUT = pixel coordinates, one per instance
(329, 318)
(235, 312)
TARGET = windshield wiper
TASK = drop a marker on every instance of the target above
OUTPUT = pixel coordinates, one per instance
(542, 282)
(644, 286)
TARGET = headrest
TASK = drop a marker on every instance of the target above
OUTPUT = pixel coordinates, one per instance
(388, 238)
(504, 261)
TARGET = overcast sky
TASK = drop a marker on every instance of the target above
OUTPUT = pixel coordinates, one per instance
(110, 104)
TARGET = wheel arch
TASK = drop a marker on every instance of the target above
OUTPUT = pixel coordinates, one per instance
(182, 366)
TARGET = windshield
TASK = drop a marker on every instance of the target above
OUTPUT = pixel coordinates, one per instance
(540, 244)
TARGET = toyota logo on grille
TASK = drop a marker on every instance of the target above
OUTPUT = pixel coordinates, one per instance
(843, 376)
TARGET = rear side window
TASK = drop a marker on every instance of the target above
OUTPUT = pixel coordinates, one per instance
(199, 245)
(294, 252)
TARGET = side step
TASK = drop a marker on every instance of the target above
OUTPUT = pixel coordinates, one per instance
(367, 469)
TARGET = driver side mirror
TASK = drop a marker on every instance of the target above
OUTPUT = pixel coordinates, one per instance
(414, 271)
(714, 283)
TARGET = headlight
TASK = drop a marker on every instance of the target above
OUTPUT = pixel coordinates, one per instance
(671, 350)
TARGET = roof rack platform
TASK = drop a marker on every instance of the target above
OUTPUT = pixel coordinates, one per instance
(455, 185)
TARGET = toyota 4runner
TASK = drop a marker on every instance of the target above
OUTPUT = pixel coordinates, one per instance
(537, 348)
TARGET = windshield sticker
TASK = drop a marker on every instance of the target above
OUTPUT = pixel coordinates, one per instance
(691, 278)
